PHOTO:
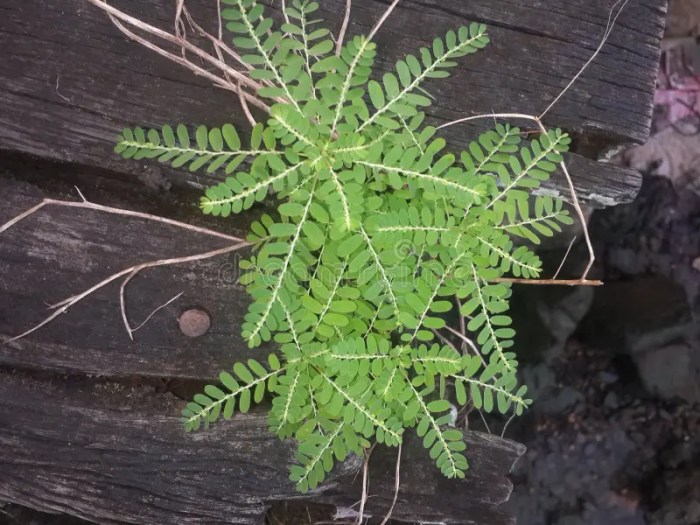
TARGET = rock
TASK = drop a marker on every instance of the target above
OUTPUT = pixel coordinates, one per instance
(562, 401)
(563, 317)
(668, 372)
(608, 378)
(611, 401)
(539, 379)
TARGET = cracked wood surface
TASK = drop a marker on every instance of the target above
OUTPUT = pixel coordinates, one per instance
(113, 454)
(113, 450)
(71, 81)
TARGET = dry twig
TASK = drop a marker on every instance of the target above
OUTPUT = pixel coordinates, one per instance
(566, 256)
(343, 28)
(381, 21)
(119, 18)
(574, 202)
(396, 487)
(62, 306)
(365, 488)
(67, 303)
(463, 337)
(122, 306)
(548, 282)
(608, 30)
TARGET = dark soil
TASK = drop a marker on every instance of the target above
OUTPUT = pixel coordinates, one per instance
(614, 435)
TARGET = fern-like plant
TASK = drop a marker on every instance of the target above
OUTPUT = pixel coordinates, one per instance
(377, 229)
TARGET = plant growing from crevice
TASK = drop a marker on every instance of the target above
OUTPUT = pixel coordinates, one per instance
(379, 232)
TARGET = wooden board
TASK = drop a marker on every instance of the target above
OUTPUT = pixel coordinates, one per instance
(60, 252)
(115, 452)
(72, 80)
(112, 454)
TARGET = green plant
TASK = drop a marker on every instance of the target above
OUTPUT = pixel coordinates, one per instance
(378, 230)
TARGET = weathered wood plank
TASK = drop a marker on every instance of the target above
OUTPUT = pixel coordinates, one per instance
(72, 80)
(113, 454)
(59, 252)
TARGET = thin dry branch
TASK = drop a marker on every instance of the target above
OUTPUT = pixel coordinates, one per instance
(381, 21)
(462, 321)
(574, 197)
(131, 330)
(505, 426)
(122, 306)
(365, 488)
(218, 43)
(284, 12)
(246, 110)
(155, 311)
(85, 204)
(397, 477)
(548, 282)
(566, 256)
(62, 306)
(116, 15)
(343, 28)
(463, 337)
(608, 30)
(131, 269)
(577, 206)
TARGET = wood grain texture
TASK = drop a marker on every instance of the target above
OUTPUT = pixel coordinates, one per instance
(72, 80)
(113, 454)
(59, 252)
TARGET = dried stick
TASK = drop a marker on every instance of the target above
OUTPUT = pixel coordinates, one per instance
(548, 282)
(136, 268)
(85, 204)
(462, 322)
(444, 339)
(566, 256)
(143, 323)
(579, 211)
(218, 43)
(574, 197)
(365, 489)
(218, 47)
(117, 15)
(606, 35)
(468, 341)
(246, 110)
(284, 12)
(343, 28)
(62, 306)
(122, 306)
(179, 25)
(189, 65)
(220, 23)
(483, 420)
(574, 202)
(505, 427)
(381, 21)
(397, 477)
